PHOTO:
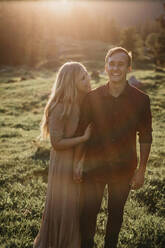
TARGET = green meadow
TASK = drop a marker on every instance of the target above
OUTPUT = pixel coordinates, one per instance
(24, 163)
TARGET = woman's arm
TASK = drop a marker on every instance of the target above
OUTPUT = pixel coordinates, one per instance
(56, 131)
(66, 143)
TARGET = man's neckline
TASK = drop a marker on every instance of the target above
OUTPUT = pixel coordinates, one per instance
(123, 93)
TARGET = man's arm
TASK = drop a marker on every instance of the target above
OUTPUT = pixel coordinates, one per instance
(144, 155)
(138, 179)
(145, 140)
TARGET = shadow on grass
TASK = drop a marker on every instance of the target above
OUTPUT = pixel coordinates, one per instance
(153, 197)
(42, 173)
(10, 135)
(41, 153)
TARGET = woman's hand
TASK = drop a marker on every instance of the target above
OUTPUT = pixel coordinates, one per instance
(87, 132)
(78, 171)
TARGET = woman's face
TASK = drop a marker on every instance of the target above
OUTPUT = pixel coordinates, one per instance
(83, 82)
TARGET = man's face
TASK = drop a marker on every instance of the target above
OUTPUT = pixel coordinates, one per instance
(117, 67)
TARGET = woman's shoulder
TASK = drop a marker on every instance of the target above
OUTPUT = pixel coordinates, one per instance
(56, 109)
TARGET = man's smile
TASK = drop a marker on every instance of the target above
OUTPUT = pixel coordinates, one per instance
(116, 74)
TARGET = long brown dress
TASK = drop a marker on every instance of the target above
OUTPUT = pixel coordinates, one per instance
(60, 223)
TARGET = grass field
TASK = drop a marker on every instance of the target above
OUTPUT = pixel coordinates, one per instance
(24, 164)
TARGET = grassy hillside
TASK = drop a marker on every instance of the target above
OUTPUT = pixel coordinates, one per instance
(24, 164)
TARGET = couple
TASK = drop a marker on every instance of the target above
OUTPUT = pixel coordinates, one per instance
(93, 138)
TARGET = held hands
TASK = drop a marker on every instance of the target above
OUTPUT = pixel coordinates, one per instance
(78, 166)
(138, 179)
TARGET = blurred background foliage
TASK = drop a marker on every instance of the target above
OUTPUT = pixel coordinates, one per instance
(47, 33)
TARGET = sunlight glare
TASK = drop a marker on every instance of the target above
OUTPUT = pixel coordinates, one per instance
(63, 6)
(64, 2)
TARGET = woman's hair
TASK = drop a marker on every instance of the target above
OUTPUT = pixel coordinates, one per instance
(64, 90)
(116, 50)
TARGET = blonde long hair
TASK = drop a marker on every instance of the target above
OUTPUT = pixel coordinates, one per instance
(64, 90)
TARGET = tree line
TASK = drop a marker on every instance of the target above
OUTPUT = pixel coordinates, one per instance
(29, 36)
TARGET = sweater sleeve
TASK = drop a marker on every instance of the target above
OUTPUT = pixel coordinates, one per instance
(145, 122)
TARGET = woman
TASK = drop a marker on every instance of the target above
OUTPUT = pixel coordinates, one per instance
(60, 227)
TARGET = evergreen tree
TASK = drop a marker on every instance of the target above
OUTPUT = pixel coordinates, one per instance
(132, 41)
(160, 49)
(151, 45)
(148, 27)
(109, 30)
(156, 41)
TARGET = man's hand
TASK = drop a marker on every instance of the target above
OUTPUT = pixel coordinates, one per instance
(138, 179)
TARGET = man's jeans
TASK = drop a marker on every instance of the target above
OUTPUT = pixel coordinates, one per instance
(91, 197)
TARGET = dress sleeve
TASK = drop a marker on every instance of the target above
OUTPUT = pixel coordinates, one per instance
(145, 123)
(56, 124)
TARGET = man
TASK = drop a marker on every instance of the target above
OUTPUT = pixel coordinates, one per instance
(117, 112)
